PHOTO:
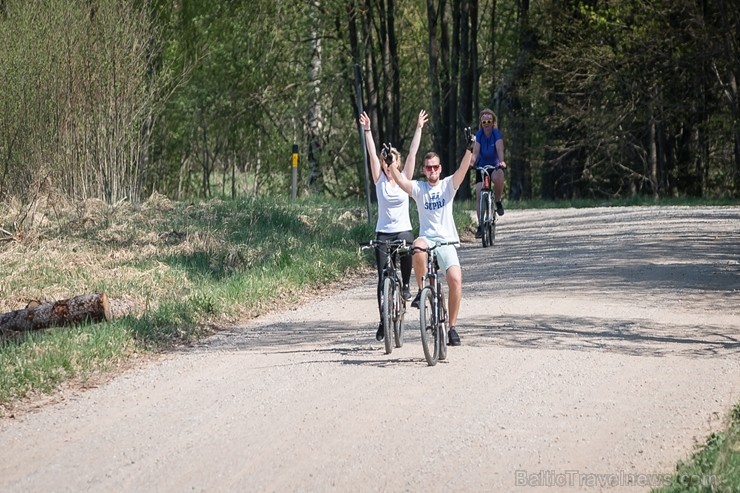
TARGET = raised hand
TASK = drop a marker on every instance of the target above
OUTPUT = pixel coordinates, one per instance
(365, 121)
(469, 138)
(423, 118)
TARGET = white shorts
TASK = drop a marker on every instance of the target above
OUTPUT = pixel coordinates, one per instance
(446, 255)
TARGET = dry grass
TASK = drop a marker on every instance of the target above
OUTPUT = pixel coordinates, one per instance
(72, 249)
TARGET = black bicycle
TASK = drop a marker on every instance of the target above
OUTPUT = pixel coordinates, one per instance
(487, 211)
(433, 308)
(392, 303)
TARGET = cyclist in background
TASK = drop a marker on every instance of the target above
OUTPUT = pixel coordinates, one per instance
(393, 204)
(489, 151)
(434, 199)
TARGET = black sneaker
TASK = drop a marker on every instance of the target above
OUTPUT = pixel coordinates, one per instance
(406, 292)
(452, 337)
(417, 299)
(479, 232)
(380, 333)
(499, 208)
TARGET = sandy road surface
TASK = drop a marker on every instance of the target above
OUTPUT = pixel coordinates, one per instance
(598, 349)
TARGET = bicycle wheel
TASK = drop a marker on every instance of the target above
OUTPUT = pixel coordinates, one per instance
(399, 310)
(388, 314)
(444, 324)
(427, 324)
(485, 210)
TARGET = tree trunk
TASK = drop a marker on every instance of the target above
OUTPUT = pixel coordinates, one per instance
(314, 120)
(473, 14)
(730, 85)
(435, 112)
(653, 159)
(514, 116)
(391, 73)
(85, 308)
(447, 154)
(468, 74)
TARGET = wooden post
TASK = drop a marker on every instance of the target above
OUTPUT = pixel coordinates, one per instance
(294, 187)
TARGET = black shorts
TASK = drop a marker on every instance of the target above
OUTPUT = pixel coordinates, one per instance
(479, 175)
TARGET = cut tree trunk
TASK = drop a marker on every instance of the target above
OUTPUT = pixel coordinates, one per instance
(36, 316)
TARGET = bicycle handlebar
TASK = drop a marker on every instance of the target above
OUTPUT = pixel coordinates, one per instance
(415, 249)
(489, 168)
(397, 245)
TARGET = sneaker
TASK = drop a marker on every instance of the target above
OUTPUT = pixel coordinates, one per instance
(499, 208)
(406, 292)
(417, 299)
(479, 232)
(453, 338)
(380, 334)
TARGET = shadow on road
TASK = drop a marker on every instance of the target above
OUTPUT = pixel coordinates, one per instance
(587, 334)
(682, 258)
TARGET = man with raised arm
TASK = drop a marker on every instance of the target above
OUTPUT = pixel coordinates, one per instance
(434, 199)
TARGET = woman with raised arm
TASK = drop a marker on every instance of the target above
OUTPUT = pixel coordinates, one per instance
(394, 222)
(489, 151)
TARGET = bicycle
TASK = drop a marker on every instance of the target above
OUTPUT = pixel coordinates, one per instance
(488, 212)
(433, 308)
(392, 303)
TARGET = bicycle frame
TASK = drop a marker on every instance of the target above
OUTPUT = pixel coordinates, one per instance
(433, 324)
(488, 213)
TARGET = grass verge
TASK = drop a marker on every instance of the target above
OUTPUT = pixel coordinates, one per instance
(180, 268)
(715, 468)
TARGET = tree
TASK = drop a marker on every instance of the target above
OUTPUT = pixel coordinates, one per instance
(452, 77)
(595, 99)
(80, 97)
(314, 120)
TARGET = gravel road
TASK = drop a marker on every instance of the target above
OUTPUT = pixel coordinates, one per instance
(600, 346)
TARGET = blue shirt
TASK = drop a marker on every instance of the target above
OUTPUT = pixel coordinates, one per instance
(487, 155)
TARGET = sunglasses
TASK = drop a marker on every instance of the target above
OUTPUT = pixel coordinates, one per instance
(433, 167)
(486, 122)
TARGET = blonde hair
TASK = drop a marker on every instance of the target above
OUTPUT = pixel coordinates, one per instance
(396, 156)
(483, 112)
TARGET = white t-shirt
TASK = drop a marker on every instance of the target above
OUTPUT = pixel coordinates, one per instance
(435, 209)
(393, 207)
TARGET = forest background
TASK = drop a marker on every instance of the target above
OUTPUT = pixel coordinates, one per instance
(117, 100)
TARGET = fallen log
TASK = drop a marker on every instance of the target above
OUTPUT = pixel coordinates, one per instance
(93, 307)
(125, 306)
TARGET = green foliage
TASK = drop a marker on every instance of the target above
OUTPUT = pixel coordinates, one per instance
(628, 105)
(78, 100)
(713, 468)
(40, 362)
(246, 102)
(206, 99)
